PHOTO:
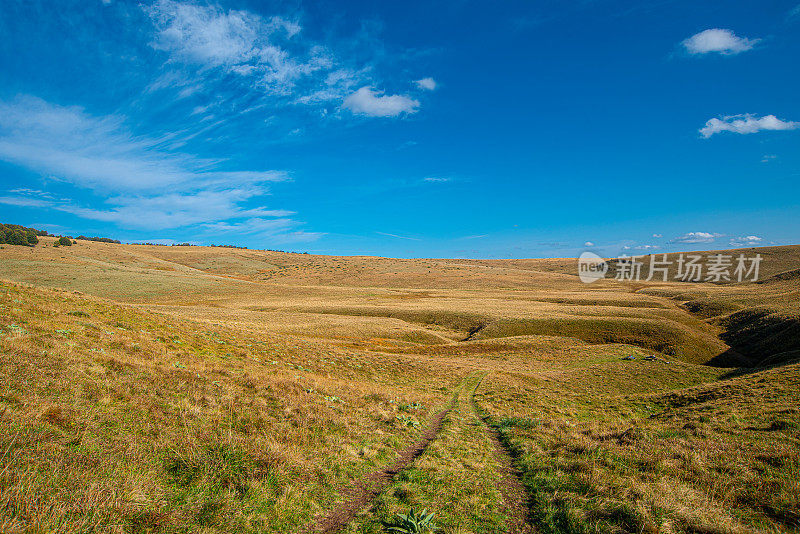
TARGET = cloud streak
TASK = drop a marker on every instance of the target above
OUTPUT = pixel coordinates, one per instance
(697, 237)
(70, 145)
(398, 236)
(143, 184)
(746, 124)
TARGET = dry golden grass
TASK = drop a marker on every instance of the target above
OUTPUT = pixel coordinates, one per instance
(613, 454)
(119, 419)
(456, 477)
(195, 389)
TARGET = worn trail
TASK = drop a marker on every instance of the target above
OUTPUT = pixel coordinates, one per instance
(515, 496)
(366, 489)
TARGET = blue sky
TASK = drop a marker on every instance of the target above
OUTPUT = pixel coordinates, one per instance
(433, 129)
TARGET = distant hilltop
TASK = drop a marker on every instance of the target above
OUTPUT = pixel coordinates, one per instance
(15, 234)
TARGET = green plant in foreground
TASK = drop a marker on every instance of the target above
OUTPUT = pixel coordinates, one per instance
(408, 421)
(412, 523)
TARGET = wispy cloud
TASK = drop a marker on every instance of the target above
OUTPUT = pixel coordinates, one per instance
(719, 41)
(641, 247)
(697, 237)
(208, 45)
(399, 236)
(367, 101)
(175, 210)
(437, 179)
(143, 184)
(746, 124)
(748, 240)
(277, 230)
(25, 201)
(100, 153)
(237, 42)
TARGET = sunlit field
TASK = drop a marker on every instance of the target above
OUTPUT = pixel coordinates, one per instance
(192, 389)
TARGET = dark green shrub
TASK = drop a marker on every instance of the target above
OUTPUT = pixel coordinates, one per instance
(14, 234)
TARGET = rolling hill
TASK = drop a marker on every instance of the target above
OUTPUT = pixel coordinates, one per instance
(149, 388)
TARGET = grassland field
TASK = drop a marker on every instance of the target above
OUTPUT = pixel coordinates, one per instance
(193, 389)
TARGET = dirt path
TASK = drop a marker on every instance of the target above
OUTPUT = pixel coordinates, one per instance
(366, 489)
(515, 497)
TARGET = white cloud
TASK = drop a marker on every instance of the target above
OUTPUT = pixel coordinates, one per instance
(367, 101)
(429, 84)
(204, 209)
(768, 157)
(746, 124)
(208, 47)
(100, 153)
(175, 209)
(658, 235)
(211, 36)
(24, 201)
(144, 185)
(718, 40)
(697, 237)
(588, 244)
(748, 240)
(32, 192)
(437, 179)
(277, 230)
(266, 53)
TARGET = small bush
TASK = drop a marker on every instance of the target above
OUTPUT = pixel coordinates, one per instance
(65, 241)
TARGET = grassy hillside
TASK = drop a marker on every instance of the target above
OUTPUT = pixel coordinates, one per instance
(642, 446)
(199, 389)
(112, 416)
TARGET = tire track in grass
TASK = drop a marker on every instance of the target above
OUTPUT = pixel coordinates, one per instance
(364, 490)
(515, 496)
